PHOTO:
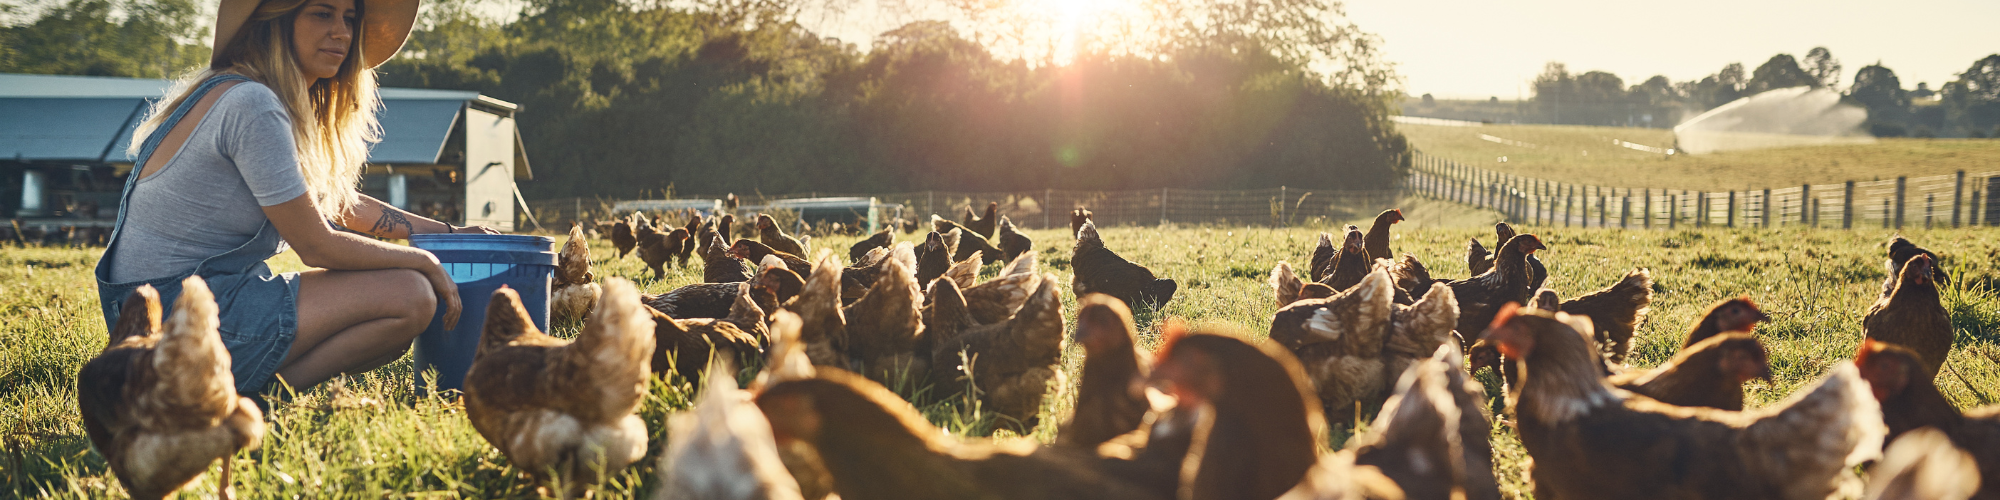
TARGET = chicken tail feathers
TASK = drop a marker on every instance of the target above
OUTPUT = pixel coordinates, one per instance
(617, 347)
(192, 364)
(1285, 284)
(139, 317)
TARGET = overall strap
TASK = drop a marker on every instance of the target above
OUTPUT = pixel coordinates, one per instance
(152, 143)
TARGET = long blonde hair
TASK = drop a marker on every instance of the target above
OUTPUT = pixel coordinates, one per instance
(333, 144)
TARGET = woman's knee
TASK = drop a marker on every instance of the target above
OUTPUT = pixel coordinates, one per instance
(414, 297)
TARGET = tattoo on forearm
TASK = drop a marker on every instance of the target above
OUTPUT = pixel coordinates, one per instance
(390, 220)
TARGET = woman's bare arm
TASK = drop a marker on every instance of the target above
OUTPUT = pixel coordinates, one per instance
(373, 217)
(318, 245)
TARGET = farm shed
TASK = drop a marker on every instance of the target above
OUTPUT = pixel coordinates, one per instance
(453, 155)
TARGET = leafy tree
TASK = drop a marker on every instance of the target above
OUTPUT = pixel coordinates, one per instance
(153, 39)
(1780, 72)
(1877, 89)
(1823, 67)
(1972, 103)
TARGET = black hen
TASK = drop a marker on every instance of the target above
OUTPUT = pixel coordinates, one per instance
(1099, 270)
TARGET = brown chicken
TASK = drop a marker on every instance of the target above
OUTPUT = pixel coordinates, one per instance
(573, 290)
(1616, 312)
(1415, 440)
(982, 226)
(1910, 401)
(970, 245)
(1900, 252)
(1589, 441)
(1923, 465)
(1709, 374)
(723, 450)
(1537, 274)
(877, 446)
(1111, 395)
(1010, 363)
(1480, 297)
(1730, 315)
(1475, 428)
(753, 251)
(623, 234)
(884, 324)
(688, 346)
(1290, 289)
(774, 237)
(823, 329)
(1257, 424)
(1339, 341)
(965, 272)
(882, 239)
(1012, 242)
(1378, 235)
(1076, 220)
(933, 258)
(1416, 331)
(1349, 265)
(1322, 258)
(726, 226)
(1913, 315)
(855, 280)
(1099, 270)
(160, 404)
(1001, 297)
(1478, 260)
(566, 407)
(656, 249)
(693, 229)
(718, 266)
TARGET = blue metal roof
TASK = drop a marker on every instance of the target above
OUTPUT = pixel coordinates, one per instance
(91, 119)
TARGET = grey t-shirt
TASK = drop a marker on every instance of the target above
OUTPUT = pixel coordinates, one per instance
(209, 198)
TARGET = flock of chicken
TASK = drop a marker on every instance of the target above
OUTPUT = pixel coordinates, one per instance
(1209, 415)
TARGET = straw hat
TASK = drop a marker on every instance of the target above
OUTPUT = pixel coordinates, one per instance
(384, 27)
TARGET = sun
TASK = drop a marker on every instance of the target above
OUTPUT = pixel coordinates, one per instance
(1069, 24)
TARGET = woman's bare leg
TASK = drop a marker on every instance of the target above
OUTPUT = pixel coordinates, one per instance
(355, 321)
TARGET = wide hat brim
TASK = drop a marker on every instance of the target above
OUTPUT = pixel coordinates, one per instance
(384, 27)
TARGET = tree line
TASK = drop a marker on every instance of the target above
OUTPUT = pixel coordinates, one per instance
(625, 98)
(1968, 106)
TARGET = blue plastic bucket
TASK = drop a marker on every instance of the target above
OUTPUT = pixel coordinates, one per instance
(480, 264)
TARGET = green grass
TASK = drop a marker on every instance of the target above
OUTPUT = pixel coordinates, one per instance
(374, 438)
(1585, 155)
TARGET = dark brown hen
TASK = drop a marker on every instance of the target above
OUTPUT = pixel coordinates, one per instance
(1910, 401)
(982, 226)
(160, 403)
(1012, 242)
(1913, 315)
(1099, 270)
(1378, 235)
(756, 252)
(876, 446)
(1571, 421)
(623, 235)
(1076, 220)
(1616, 312)
(1480, 297)
(718, 266)
(1350, 264)
(1730, 315)
(1111, 396)
(1012, 361)
(774, 237)
(881, 239)
(1708, 374)
(1257, 424)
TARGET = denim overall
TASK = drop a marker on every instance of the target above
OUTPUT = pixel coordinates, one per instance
(259, 309)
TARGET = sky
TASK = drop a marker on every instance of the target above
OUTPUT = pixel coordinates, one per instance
(1475, 49)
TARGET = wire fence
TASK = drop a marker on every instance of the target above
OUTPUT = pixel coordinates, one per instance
(1047, 208)
(1950, 200)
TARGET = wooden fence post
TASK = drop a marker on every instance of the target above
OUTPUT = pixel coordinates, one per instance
(1929, 199)
(1701, 209)
(1732, 208)
(1625, 212)
(1673, 211)
(1957, 193)
(1886, 210)
(1902, 182)
(1847, 207)
(1764, 209)
(1603, 208)
(1646, 208)
(1568, 206)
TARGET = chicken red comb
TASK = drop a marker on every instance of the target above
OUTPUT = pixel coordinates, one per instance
(1507, 313)
(1868, 347)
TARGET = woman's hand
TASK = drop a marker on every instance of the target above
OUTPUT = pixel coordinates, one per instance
(471, 230)
(446, 290)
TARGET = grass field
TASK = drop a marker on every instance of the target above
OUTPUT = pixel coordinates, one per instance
(1586, 155)
(370, 437)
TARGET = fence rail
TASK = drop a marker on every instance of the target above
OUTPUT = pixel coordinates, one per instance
(1950, 200)
(1049, 208)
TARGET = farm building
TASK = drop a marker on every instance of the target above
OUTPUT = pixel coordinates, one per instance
(452, 155)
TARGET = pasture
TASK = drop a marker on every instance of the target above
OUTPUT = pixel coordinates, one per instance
(1586, 155)
(370, 436)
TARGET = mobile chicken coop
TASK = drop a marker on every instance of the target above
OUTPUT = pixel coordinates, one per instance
(452, 155)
